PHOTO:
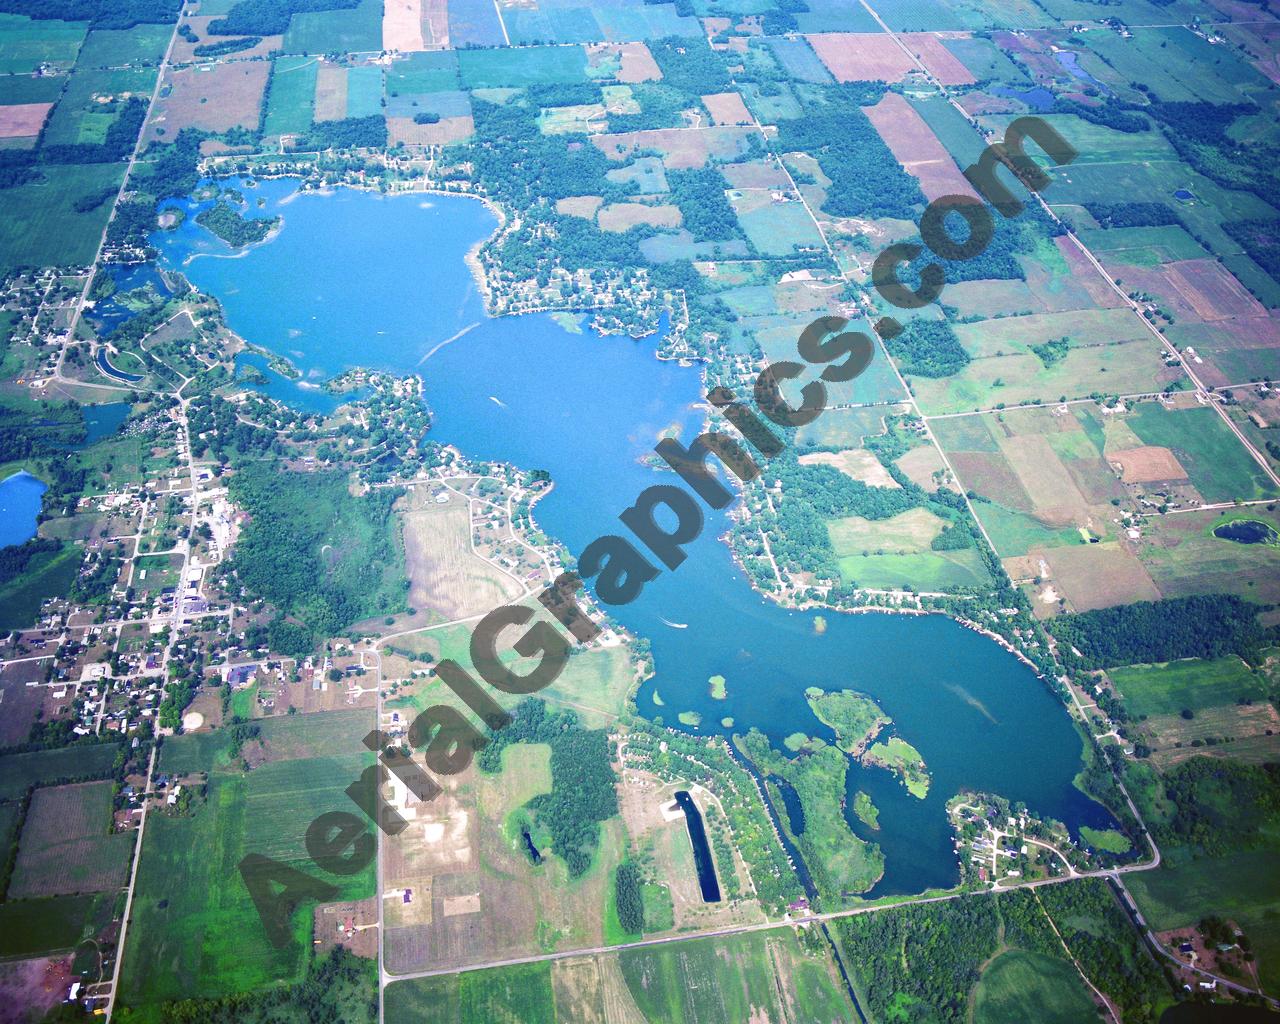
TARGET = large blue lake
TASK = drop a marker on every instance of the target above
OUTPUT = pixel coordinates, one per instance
(355, 278)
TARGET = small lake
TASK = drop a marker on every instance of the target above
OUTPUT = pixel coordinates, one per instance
(103, 421)
(1246, 531)
(1039, 99)
(355, 278)
(20, 497)
(702, 860)
(1070, 60)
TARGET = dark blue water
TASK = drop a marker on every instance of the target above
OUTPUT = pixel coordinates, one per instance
(707, 881)
(20, 496)
(113, 372)
(103, 421)
(361, 279)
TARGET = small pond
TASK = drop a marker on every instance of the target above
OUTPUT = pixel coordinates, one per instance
(1246, 531)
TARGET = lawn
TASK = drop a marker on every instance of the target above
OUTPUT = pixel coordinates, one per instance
(1194, 684)
(1020, 986)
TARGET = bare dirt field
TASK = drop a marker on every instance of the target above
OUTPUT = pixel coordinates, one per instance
(215, 98)
(444, 575)
(1211, 290)
(622, 216)
(1147, 464)
(331, 92)
(444, 131)
(917, 148)
(1097, 575)
(857, 463)
(681, 148)
(944, 65)
(579, 206)
(920, 464)
(22, 120)
(727, 108)
(638, 64)
(353, 925)
(1045, 479)
(29, 989)
(990, 474)
(861, 56)
(402, 26)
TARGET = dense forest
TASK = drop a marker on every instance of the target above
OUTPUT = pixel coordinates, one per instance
(928, 348)
(866, 178)
(690, 65)
(349, 133)
(99, 13)
(315, 552)
(1219, 805)
(1148, 632)
(270, 17)
(1261, 240)
(1132, 215)
(1100, 936)
(700, 196)
(582, 780)
(233, 228)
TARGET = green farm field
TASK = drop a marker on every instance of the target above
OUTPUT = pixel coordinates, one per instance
(42, 227)
(510, 995)
(291, 101)
(1242, 886)
(350, 30)
(1194, 684)
(1215, 460)
(18, 772)
(193, 914)
(34, 927)
(25, 43)
(68, 844)
(1020, 986)
(931, 571)
(21, 598)
(113, 48)
(511, 69)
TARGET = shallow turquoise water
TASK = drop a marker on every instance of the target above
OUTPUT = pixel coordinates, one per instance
(359, 279)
